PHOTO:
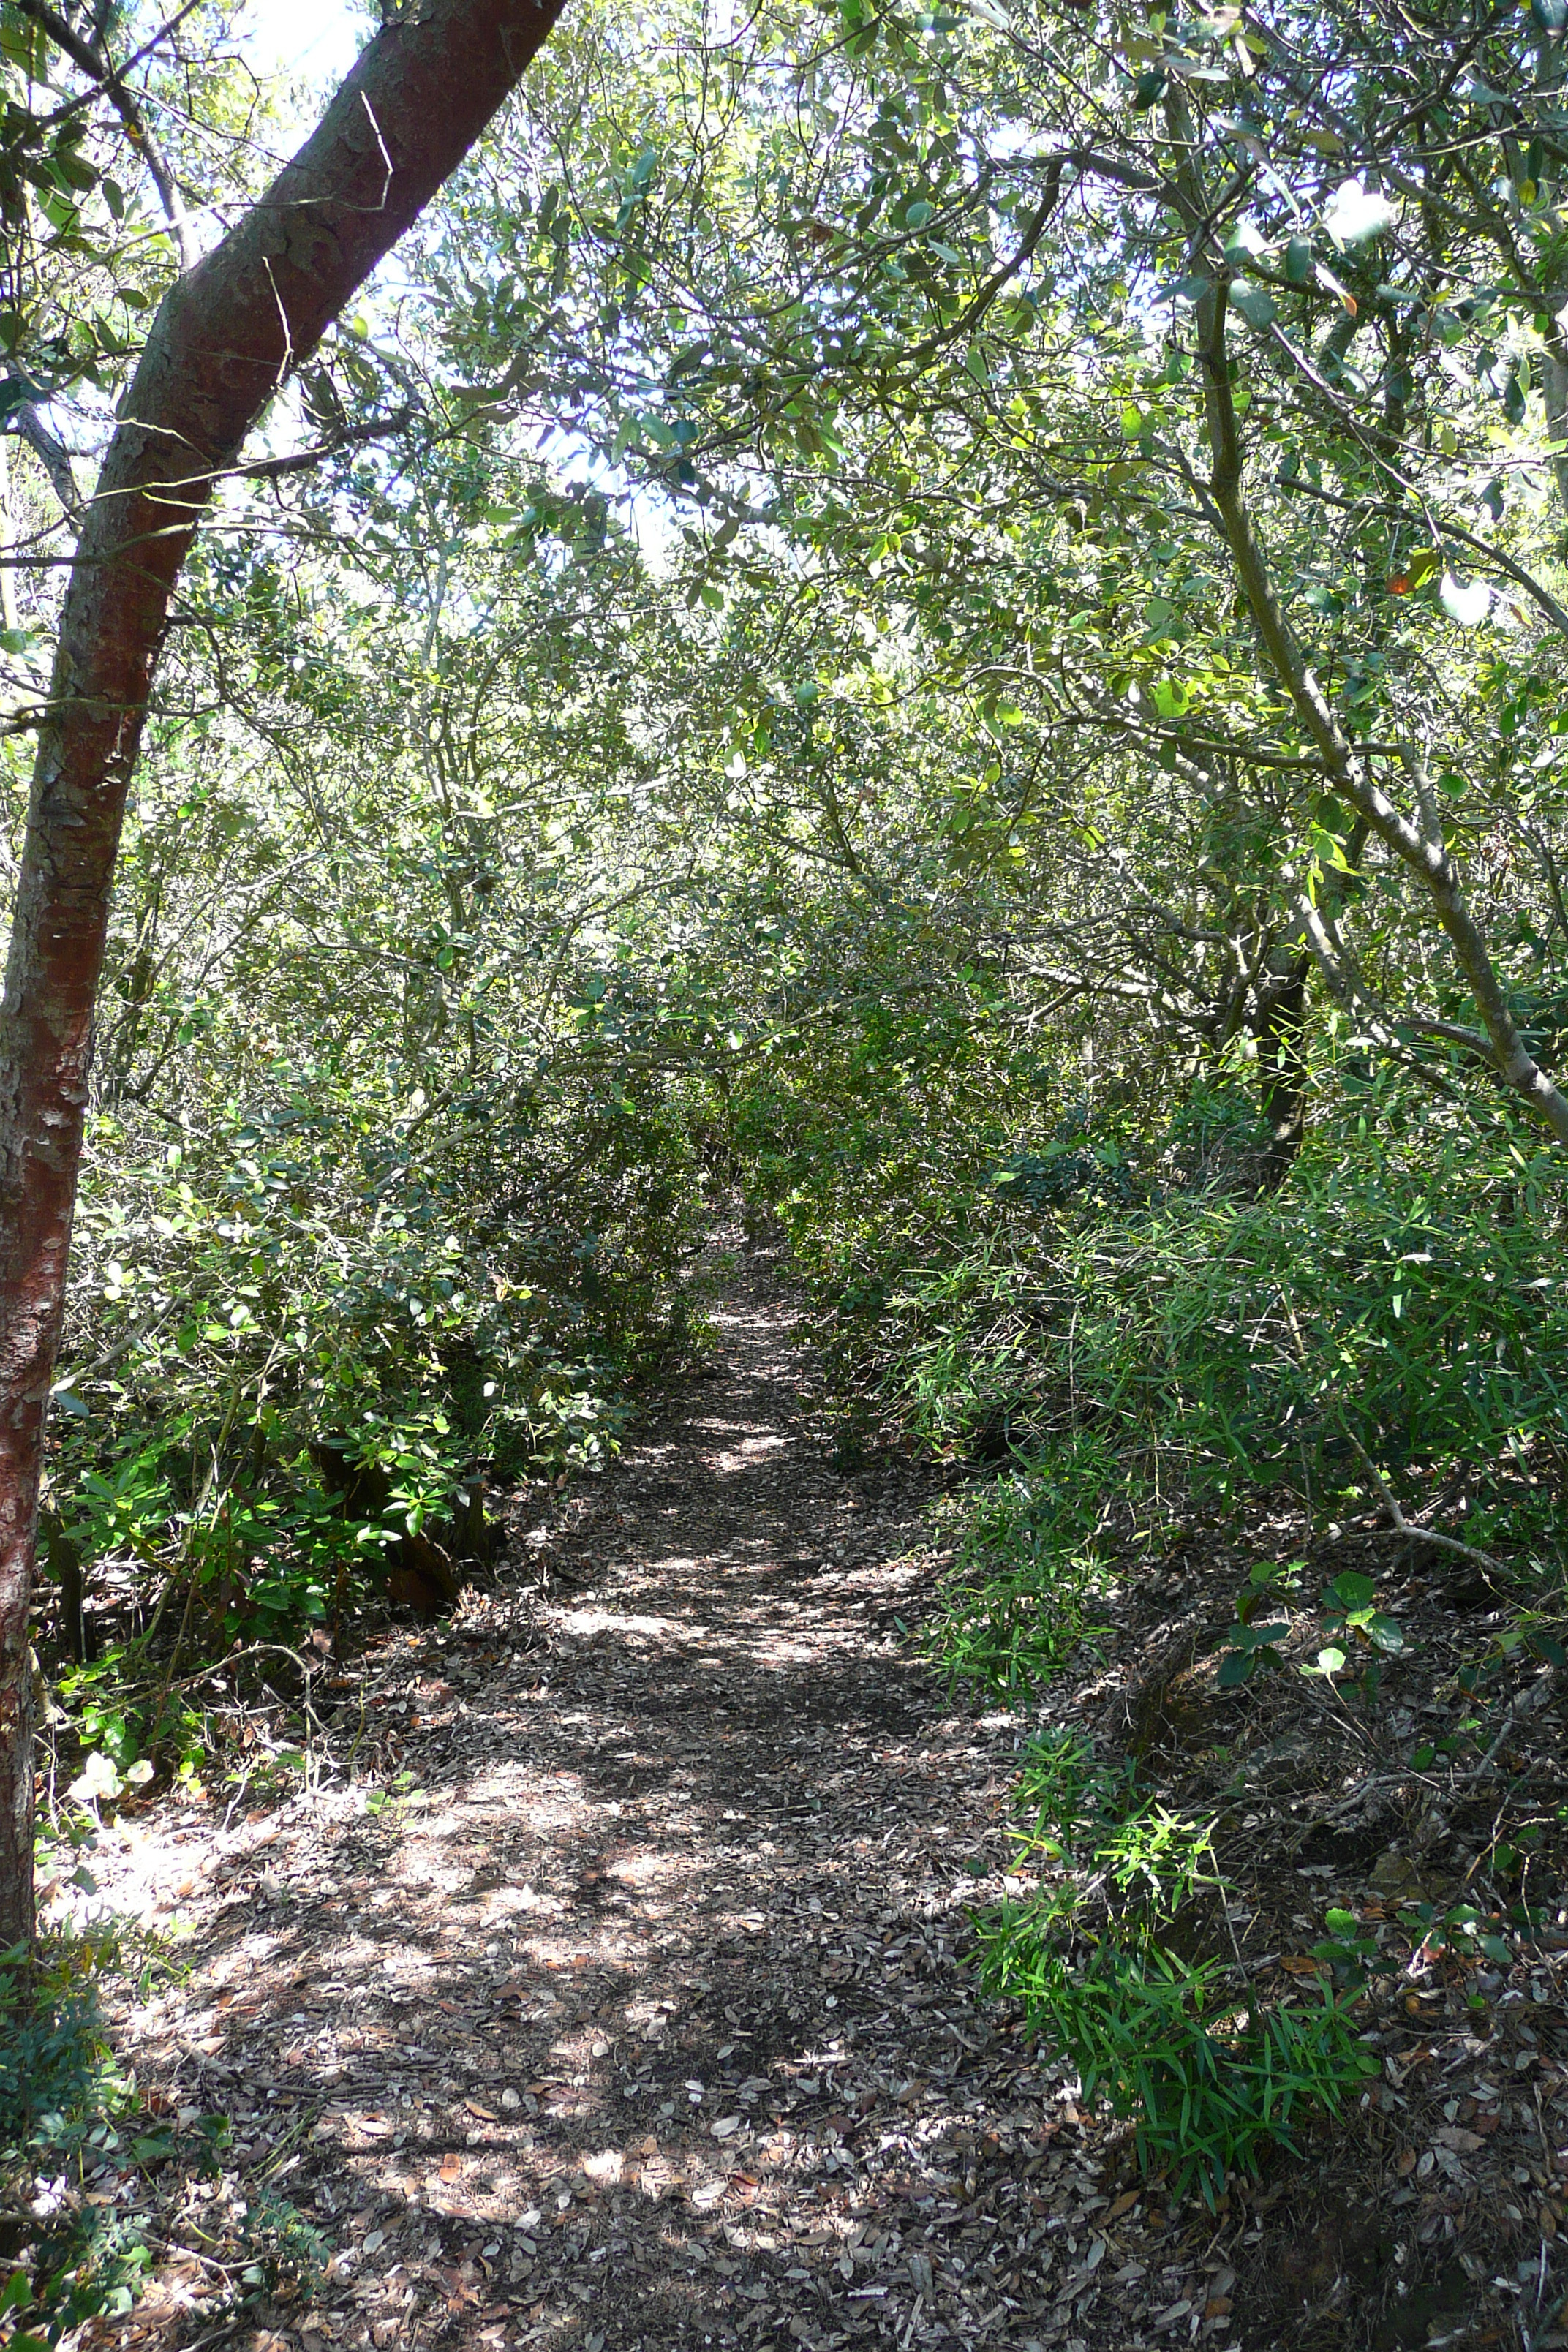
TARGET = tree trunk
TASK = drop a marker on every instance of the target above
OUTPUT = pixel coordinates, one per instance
(1281, 1064)
(225, 340)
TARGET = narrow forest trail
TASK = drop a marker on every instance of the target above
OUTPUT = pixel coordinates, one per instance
(644, 2029)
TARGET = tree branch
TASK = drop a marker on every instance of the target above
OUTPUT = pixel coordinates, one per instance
(93, 61)
(1427, 860)
(352, 436)
(51, 454)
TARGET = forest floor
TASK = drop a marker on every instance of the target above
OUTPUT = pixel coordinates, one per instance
(628, 2010)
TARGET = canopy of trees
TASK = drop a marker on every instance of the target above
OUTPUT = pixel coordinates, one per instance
(957, 615)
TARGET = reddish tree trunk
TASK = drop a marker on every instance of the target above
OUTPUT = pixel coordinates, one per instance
(226, 338)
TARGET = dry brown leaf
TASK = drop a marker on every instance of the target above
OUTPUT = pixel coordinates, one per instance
(832, 1924)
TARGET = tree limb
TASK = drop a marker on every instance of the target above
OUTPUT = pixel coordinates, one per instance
(51, 454)
(93, 61)
(1427, 860)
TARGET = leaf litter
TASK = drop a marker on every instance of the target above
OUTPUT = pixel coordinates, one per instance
(631, 2013)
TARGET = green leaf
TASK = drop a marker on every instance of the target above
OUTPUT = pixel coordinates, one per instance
(1298, 261)
(1330, 1661)
(15, 392)
(73, 170)
(1255, 304)
(1259, 1637)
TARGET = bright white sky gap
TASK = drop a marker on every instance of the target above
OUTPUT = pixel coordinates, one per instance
(312, 40)
(310, 45)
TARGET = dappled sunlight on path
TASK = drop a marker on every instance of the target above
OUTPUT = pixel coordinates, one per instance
(642, 2026)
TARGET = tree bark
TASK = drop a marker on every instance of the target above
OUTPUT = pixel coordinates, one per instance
(1278, 1028)
(225, 340)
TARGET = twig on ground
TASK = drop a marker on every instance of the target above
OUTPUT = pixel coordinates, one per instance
(1413, 1528)
(1529, 1702)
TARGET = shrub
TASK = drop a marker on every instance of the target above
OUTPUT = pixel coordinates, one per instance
(1207, 2079)
(1207, 2075)
(64, 2106)
(1032, 1551)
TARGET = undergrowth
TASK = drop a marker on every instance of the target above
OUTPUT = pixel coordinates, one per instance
(1209, 2079)
(1098, 1953)
(67, 2112)
(1139, 1348)
(94, 2175)
(1032, 1549)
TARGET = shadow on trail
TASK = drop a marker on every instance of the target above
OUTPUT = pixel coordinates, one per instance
(644, 2027)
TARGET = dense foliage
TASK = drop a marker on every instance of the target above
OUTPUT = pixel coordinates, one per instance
(957, 618)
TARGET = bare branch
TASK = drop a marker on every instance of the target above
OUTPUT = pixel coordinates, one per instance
(51, 454)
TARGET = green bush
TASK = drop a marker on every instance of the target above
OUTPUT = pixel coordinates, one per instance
(1011, 1276)
(1413, 1310)
(1207, 2077)
(1091, 1817)
(89, 2182)
(299, 1289)
(65, 2104)
(1204, 1349)
(57, 2080)
(1032, 1551)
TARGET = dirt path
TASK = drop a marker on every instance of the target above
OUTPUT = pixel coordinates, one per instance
(644, 2029)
